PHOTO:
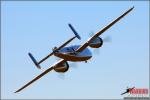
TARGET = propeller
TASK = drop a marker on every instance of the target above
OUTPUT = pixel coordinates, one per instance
(91, 33)
(96, 51)
(73, 65)
(106, 39)
(61, 76)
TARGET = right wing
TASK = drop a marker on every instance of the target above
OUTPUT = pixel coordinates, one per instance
(39, 76)
(86, 44)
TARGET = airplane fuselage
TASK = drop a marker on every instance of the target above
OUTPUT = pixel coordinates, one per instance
(70, 54)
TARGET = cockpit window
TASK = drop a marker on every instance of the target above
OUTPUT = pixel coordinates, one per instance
(68, 49)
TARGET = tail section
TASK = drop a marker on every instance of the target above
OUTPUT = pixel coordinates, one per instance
(74, 31)
(37, 64)
(34, 61)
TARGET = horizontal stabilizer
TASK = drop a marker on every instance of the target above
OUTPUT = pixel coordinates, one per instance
(74, 31)
(34, 61)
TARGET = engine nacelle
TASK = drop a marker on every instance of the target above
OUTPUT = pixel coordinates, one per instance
(62, 67)
(96, 43)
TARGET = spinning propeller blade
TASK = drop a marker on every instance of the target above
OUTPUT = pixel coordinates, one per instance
(61, 76)
(91, 33)
(107, 39)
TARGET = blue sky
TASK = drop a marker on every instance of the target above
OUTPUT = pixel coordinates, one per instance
(37, 27)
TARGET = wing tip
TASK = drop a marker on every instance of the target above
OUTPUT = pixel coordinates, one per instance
(132, 7)
(16, 91)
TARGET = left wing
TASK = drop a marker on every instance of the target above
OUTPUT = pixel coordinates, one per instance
(39, 76)
(82, 47)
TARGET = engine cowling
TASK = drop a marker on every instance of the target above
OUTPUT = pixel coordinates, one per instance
(62, 67)
(96, 43)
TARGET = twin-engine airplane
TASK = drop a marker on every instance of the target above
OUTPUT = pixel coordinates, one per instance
(74, 53)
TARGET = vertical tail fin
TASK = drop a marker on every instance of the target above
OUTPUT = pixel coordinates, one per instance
(74, 31)
(34, 61)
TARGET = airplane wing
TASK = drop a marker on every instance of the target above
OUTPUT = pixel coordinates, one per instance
(82, 47)
(37, 63)
(39, 76)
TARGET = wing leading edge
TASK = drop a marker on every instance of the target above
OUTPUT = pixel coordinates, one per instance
(39, 76)
(82, 47)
